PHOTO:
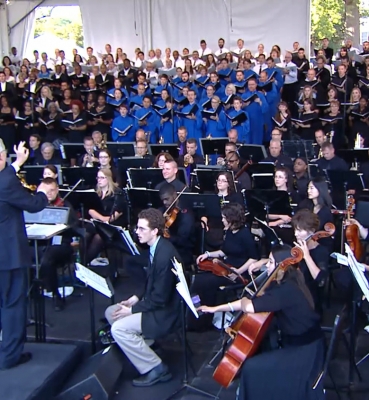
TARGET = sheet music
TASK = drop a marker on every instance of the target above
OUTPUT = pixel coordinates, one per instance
(43, 230)
(130, 241)
(93, 280)
(182, 287)
(357, 271)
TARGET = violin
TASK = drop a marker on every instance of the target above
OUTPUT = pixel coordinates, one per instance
(329, 230)
(352, 232)
(58, 202)
(219, 268)
(249, 329)
(171, 214)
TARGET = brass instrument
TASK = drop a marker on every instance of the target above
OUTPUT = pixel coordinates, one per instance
(320, 155)
(331, 136)
(21, 177)
(206, 159)
(103, 144)
(357, 141)
(161, 140)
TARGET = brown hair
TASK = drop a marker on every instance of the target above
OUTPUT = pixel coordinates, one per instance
(229, 180)
(155, 219)
(305, 220)
(167, 156)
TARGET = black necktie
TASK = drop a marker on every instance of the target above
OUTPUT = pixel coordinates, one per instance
(260, 70)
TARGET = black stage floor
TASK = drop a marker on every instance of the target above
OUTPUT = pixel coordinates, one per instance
(72, 325)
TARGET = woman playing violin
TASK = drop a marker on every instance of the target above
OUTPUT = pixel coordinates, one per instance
(292, 369)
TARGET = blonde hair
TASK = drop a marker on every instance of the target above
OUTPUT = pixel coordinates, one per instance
(111, 185)
(231, 86)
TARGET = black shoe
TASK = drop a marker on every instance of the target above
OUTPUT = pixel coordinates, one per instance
(157, 374)
(24, 358)
(58, 303)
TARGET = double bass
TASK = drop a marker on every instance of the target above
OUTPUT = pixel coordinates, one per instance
(249, 329)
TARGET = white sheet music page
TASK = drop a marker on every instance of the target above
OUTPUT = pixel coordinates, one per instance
(43, 230)
(182, 287)
(93, 280)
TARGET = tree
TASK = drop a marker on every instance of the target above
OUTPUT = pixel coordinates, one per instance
(336, 20)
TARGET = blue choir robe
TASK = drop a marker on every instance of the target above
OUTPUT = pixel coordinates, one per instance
(193, 126)
(217, 129)
(242, 129)
(135, 88)
(249, 73)
(204, 99)
(258, 115)
(168, 129)
(121, 124)
(222, 76)
(116, 104)
(159, 88)
(152, 123)
(110, 93)
(218, 92)
(200, 83)
(178, 93)
(272, 97)
(159, 103)
(137, 99)
(277, 76)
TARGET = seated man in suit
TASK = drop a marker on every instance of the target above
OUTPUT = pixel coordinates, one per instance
(152, 313)
(170, 171)
(91, 157)
(190, 160)
(330, 161)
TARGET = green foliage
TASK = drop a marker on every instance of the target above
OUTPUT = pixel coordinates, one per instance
(61, 27)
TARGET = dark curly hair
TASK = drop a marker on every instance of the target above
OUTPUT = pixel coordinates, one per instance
(154, 218)
(235, 215)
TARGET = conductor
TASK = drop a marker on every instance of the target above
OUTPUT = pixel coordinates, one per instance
(15, 256)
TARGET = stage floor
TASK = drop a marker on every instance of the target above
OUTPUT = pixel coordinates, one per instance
(72, 325)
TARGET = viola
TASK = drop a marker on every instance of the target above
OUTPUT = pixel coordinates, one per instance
(352, 232)
(249, 329)
(329, 230)
(219, 268)
(58, 202)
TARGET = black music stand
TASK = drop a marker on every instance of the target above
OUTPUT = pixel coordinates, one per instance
(298, 148)
(141, 198)
(34, 174)
(203, 203)
(171, 149)
(89, 200)
(71, 175)
(121, 149)
(213, 146)
(206, 179)
(314, 171)
(262, 175)
(261, 203)
(73, 150)
(353, 156)
(252, 152)
(145, 178)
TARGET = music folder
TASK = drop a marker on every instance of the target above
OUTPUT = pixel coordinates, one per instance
(94, 280)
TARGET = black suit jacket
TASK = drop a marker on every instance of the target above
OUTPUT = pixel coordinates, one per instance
(99, 80)
(14, 199)
(160, 303)
(9, 92)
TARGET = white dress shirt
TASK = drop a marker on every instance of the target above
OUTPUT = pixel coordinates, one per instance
(291, 77)
(256, 69)
(205, 52)
(221, 51)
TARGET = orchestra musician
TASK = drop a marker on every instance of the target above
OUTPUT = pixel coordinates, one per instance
(91, 157)
(301, 356)
(301, 178)
(111, 211)
(238, 250)
(154, 312)
(170, 170)
(275, 154)
(160, 160)
(50, 171)
(15, 256)
(60, 251)
(232, 161)
(182, 230)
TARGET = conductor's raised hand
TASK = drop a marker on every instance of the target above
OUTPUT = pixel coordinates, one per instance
(21, 152)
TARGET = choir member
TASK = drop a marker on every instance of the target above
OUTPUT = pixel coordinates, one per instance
(123, 127)
(214, 119)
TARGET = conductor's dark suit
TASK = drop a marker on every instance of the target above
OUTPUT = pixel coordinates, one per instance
(15, 258)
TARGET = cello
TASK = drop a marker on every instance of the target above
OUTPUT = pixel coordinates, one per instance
(249, 329)
(352, 232)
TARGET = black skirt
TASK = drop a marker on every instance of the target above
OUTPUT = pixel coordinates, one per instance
(287, 373)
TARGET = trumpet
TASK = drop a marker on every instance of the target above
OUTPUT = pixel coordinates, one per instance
(187, 160)
(161, 140)
(320, 155)
(357, 141)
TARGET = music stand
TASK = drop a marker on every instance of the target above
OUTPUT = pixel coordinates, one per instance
(252, 152)
(34, 174)
(71, 175)
(261, 203)
(73, 150)
(121, 149)
(314, 171)
(298, 148)
(201, 204)
(353, 156)
(262, 175)
(83, 199)
(171, 149)
(206, 179)
(142, 198)
(145, 178)
(213, 146)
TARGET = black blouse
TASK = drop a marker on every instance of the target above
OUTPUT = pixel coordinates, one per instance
(239, 247)
(295, 316)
